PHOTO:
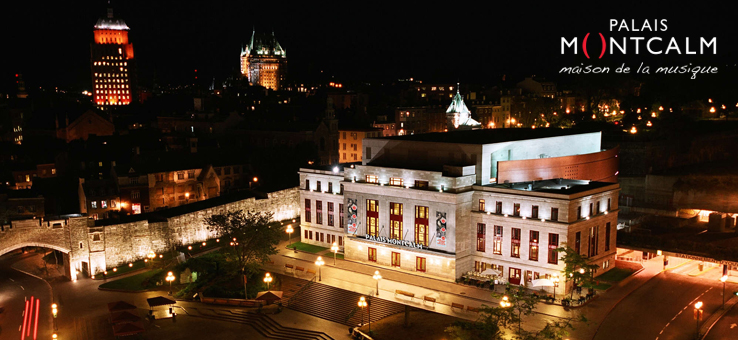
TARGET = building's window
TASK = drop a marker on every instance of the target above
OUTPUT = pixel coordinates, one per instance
(93, 204)
(311, 234)
(104, 204)
(330, 187)
(421, 225)
(318, 212)
(481, 236)
(594, 233)
(53, 172)
(396, 221)
(372, 254)
(420, 264)
(515, 249)
(553, 244)
(607, 236)
(578, 242)
(96, 237)
(372, 179)
(135, 194)
(579, 212)
(341, 188)
(226, 170)
(318, 187)
(534, 212)
(322, 237)
(516, 209)
(308, 217)
(372, 217)
(340, 215)
(498, 207)
(591, 210)
(533, 250)
(133, 180)
(497, 241)
(554, 214)
(597, 208)
(421, 184)
(330, 214)
(340, 241)
(306, 234)
(395, 259)
(394, 181)
(81, 246)
(608, 204)
(191, 173)
(180, 175)
(481, 205)
(307, 184)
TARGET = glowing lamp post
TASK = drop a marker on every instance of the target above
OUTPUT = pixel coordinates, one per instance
(334, 249)
(54, 310)
(290, 231)
(556, 284)
(698, 317)
(187, 196)
(170, 278)
(268, 279)
(319, 263)
(151, 257)
(723, 279)
(377, 277)
(362, 303)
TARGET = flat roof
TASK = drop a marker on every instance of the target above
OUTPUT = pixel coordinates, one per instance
(487, 136)
(553, 186)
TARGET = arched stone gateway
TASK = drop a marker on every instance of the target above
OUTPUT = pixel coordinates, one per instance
(51, 234)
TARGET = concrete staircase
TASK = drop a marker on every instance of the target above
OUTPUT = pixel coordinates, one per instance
(263, 324)
(334, 304)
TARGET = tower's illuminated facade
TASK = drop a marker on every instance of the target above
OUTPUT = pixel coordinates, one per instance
(112, 63)
(264, 61)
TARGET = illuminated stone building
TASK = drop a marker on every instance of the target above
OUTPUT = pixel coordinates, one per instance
(264, 61)
(112, 63)
(427, 204)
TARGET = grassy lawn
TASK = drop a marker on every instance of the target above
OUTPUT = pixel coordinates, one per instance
(132, 283)
(615, 275)
(117, 271)
(339, 256)
(602, 286)
(307, 247)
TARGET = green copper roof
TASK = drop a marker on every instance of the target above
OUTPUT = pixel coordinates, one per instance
(264, 45)
(462, 115)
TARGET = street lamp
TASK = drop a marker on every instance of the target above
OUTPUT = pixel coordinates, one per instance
(334, 248)
(151, 257)
(505, 302)
(170, 278)
(319, 263)
(698, 317)
(289, 231)
(556, 284)
(723, 279)
(187, 196)
(268, 279)
(362, 304)
(377, 277)
(54, 310)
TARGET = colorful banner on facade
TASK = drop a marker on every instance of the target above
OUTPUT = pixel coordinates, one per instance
(352, 216)
(440, 228)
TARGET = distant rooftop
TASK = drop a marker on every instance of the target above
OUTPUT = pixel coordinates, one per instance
(487, 136)
(553, 186)
(111, 23)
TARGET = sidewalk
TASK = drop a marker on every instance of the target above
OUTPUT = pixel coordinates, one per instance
(357, 277)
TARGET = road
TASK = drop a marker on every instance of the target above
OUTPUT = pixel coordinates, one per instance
(663, 309)
(726, 327)
(16, 292)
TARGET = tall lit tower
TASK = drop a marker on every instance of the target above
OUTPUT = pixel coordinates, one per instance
(113, 66)
(264, 61)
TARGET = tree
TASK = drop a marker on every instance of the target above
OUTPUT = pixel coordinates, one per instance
(251, 237)
(494, 322)
(576, 268)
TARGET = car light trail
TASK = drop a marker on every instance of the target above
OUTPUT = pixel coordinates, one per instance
(35, 325)
(25, 316)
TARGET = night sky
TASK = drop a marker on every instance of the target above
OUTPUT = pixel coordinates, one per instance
(49, 43)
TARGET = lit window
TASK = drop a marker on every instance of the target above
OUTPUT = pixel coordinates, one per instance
(372, 179)
(394, 181)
